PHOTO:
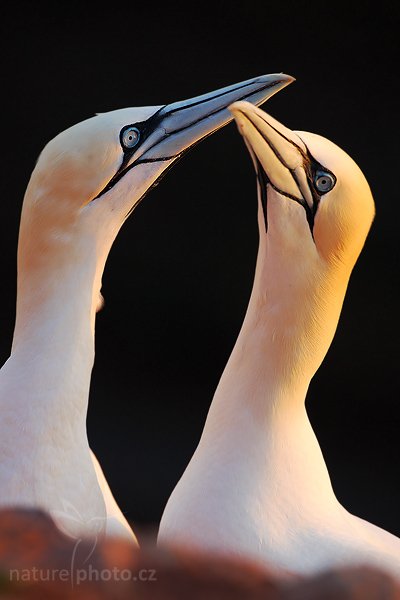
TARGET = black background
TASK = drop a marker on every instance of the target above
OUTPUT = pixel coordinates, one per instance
(179, 276)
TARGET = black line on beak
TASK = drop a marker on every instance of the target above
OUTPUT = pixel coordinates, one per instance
(310, 165)
(298, 148)
(263, 181)
(147, 127)
(310, 212)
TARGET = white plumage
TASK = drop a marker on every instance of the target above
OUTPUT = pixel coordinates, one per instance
(257, 485)
(86, 182)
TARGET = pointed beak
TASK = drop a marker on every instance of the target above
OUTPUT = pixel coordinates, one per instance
(175, 128)
(280, 157)
(178, 126)
(279, 150)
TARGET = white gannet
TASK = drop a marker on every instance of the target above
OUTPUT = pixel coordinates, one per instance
(257, 484)
(87, 181)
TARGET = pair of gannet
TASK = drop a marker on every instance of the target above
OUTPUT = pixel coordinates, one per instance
(257, 485)
(86, 182)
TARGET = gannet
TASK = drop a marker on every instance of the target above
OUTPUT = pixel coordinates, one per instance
(257, 485)
(87, 180)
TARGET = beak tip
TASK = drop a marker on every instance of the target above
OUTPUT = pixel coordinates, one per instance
(239, 106)
(238, 114)
(283, 78)
(287, 79)
(273, 83)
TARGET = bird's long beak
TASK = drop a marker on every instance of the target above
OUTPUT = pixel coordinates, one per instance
(280, 157)
(174, 128)
(177, 127)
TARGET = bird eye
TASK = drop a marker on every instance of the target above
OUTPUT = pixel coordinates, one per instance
(130, 137)
(324, 181)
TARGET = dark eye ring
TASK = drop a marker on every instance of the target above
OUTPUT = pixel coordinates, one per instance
(324, 181)
(130, 137)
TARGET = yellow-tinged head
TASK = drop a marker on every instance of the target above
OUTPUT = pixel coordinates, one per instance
(315, 211)
(90, 177)
(317, 175)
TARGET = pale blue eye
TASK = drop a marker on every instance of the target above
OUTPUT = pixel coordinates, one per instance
(130, 137)
(324, 181)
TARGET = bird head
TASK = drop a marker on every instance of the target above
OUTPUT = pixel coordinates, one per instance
(89, 178)
(332, 202)
(315, 211)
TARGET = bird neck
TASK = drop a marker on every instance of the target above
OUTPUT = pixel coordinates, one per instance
(48, 372)
(259, 404)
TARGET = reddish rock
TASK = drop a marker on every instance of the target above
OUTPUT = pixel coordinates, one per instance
(38, 562)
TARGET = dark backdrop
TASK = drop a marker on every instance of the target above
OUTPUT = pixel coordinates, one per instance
(179, 276)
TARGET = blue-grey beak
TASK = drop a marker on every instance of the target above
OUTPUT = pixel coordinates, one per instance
(180, 125)
(174, 128)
